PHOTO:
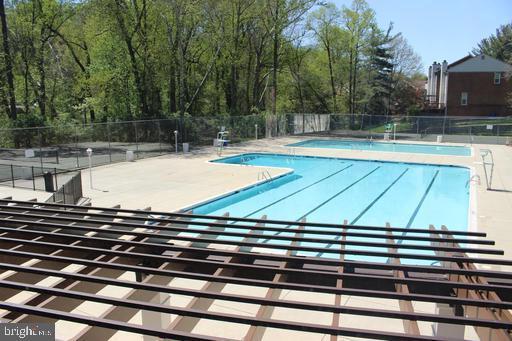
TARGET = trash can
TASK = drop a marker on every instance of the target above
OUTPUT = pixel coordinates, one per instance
(130, 156)
(48, 182)
(439, 138)
(185, 147)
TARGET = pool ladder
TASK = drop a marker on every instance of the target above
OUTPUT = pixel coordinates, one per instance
(243, 160)
(264, 175)
(488, 175)
(475, 178)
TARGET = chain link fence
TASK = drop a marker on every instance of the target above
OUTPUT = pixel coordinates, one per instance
(65, 146)
(457, 129)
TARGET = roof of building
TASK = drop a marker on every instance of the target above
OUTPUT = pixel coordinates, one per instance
(480, 63)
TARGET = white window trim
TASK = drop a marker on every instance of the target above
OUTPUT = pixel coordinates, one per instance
(464, 99)
(497, 80)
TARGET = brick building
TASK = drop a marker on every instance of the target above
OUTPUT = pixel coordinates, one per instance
(471, 86)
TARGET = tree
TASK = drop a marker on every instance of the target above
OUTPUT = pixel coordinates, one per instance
(359, 20)
(498, 45)
(405, 61)
(8, 63)
(110, 60)
(283, 14)
(325, 22)
(380, 71)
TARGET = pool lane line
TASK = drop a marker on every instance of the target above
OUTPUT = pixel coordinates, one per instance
(298, 191)
(413, 216)
(369, 206)
(363, 212)
(338, 193)
(326, 201)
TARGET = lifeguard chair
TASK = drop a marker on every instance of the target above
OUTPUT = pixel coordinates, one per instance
(222, 140)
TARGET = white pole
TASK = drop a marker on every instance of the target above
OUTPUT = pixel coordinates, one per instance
(176, 140)
(394, 132)
(256, 130)
(89, 154)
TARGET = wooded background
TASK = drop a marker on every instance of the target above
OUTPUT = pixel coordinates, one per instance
(70, 61)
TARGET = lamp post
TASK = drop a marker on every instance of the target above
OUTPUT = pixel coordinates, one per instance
(89, 154)
(176, 140)
(256, 130)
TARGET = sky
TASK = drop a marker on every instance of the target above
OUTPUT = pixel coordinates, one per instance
(441, 29)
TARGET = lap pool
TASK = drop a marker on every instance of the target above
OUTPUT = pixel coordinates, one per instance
(363, 192)
(386, 147)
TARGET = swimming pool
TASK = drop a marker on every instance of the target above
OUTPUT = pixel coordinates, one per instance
(363, 192)
(386, 147)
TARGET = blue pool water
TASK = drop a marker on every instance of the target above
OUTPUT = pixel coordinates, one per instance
(385, 147)
(362, 192)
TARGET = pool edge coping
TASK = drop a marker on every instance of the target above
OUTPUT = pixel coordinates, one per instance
(472, 217)
(471, 148)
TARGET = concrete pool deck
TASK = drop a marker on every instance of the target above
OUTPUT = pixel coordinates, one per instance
(173, 182)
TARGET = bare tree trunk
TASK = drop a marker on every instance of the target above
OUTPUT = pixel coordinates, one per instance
(26, 83)
(172, 87)
(42, 81)
(127, 37)
(248, 83)
(8, 63)
(275, 59)
(331, 75)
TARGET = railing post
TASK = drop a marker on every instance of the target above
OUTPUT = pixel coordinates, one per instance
(12, 175)
(33, 179)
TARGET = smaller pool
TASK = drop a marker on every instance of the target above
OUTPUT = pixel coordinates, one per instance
(385, 147)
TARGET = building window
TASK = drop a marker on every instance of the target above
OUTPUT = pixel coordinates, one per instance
(464, 98)
(497, 78)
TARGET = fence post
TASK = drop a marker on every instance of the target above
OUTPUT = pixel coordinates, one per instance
(136, 139)
(109, 146)
(76, 147)
(40, 147)
(33, 179)
(497, 134)
(12, 175)
(159, 137)
(56, 184)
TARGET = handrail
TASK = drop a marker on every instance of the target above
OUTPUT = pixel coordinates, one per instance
(264, 175)
(488, 176)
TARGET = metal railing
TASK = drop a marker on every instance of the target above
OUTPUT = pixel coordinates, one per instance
(30, 177)
(487, 160)
(70, 192)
